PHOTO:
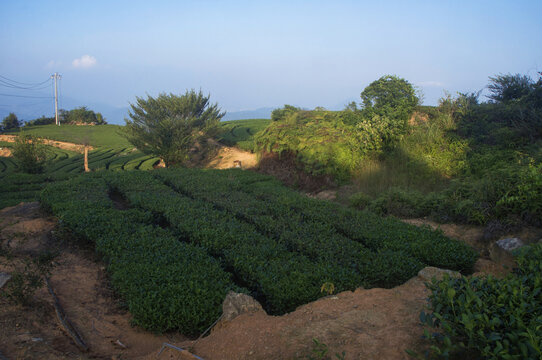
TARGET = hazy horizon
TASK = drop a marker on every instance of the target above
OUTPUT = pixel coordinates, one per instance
(251, 54)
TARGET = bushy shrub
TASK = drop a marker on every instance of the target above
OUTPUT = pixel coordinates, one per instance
(29, 153)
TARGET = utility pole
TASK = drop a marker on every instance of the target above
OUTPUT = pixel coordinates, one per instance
(57, 77)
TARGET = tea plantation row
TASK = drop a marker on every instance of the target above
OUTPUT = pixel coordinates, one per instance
(277, 244)
(62, 164)
(166, 284)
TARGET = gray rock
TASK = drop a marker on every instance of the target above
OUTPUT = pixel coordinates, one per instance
(501, 251)
(236, 304)
(4, 278)
(430, 272)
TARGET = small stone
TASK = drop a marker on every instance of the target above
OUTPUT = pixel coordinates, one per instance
(4, 278)
(430, 272)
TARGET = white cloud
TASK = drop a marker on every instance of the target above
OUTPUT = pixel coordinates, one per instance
(53, 64)
(431, 84)
(84, 62)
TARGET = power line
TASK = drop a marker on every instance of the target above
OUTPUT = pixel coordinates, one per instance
(8, 85)
(27, 96)
(22, 83)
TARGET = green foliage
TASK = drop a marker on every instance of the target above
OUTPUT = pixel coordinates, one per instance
(321, 142)
(393, 100)
(168, 126)
(98, 136)
(512, 119)
(41, 121)
(29, 153)
(10, 122)
(489, 318)
(80, 115)
(282, 113)
(167, 284)
(507, 88)
(334, 143)
(241, 133)
(504, 189)
(282, 246)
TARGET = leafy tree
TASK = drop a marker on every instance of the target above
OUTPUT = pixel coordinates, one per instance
(279, 114)
(81, 115)
(506, 88)
(393, 100)
(169, 126)
(390, 96)
(29, 153)
(10, 122)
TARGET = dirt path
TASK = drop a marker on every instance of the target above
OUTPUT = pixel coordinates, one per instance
(228, 156)
(58, 144)
(365, 324)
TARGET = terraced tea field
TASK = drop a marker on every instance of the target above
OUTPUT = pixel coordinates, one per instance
(62, 164)
(179, 240)
(240, 133)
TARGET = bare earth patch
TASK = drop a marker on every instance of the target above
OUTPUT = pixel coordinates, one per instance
(59, 144)
(5, 152)
(228, 156)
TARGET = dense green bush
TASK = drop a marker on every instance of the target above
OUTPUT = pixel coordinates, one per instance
(291, 217)
(29, 153)
(489, 318)
(320, 141)
(167, 284)
(334, 143)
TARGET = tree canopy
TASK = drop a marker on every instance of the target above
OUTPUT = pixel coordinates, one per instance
(169, 126)
(82, 115)
(390, 96)
(10, 122)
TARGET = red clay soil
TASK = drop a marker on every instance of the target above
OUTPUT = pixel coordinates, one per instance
(365, 324)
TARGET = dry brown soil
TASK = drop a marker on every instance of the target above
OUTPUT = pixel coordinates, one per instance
(227, 156)
(365, 324)
(59, 144)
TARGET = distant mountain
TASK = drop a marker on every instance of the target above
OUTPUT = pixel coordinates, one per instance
(261, 113)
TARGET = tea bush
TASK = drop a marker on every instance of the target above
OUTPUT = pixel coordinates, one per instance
(489, 318)
(167, 284)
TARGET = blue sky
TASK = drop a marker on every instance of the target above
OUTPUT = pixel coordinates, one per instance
(252, 54)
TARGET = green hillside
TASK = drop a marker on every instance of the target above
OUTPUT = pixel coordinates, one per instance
(241, 133)
(97, 136)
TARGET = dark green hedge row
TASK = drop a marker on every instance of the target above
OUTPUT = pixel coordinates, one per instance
(282, 279)
(166, 284)
(315, 239)
(489, 318)
(374, 232)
